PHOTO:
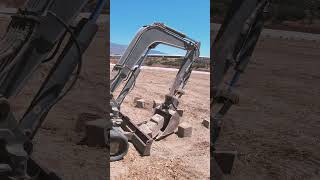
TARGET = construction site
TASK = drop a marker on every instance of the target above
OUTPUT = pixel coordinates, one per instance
(173, 157)
(160, 115)
(162, 130)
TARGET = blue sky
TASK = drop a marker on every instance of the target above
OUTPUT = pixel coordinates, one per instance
(188, 16)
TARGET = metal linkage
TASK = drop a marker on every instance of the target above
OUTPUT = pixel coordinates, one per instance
(127, 70)
(232, 49)
(34, 32)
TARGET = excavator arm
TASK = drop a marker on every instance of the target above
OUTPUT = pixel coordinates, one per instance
(127, 71)
(33, 37)
(145, 40)
(231, 53)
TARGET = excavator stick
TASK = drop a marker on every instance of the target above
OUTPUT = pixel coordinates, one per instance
(231, 52)
(33, 37)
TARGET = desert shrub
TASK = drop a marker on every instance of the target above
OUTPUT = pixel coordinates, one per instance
(148, 63)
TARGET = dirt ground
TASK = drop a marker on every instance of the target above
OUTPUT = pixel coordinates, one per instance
(276, 126)
(55, 145)
(172, 157)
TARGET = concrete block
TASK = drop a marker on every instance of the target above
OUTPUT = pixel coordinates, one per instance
(206, 123)
(184, 130)
(157, 118)
(155, 124)
(136, 99)
(140, 103)
(83, 118)
(144, 128)
(95, 133)
(180, 112)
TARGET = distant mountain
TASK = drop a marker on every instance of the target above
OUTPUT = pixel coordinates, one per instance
(118, 49)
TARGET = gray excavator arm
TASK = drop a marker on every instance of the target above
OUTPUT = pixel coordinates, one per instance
(127, 71)
(231, 53)
(147, 38)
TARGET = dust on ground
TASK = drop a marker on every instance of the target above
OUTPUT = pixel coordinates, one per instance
(172, 157)
(276, 126)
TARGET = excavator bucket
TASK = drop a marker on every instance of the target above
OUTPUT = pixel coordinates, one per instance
(171, 122)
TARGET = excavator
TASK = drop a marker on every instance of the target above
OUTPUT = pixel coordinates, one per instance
(166, 117)
(231, 52)
(36, 35)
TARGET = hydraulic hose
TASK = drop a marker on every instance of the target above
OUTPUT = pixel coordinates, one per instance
(116, 136)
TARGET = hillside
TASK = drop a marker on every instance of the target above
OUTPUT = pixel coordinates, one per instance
(118, 49)
(203, 64)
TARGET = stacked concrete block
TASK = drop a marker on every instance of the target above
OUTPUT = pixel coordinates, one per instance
(155, 124)
(145, 129)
